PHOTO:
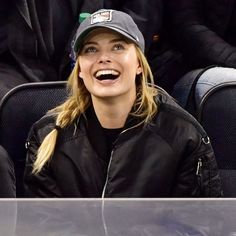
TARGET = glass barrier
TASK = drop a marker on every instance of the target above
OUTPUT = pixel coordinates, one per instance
(118, 217)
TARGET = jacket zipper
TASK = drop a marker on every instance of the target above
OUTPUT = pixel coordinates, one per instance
(109, 165)
(199, 172)
(199, 167)
(108, 168)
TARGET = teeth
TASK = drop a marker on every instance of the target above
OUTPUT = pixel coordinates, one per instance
(106, 72)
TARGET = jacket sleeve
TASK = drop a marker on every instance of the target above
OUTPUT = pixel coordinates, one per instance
(7, 175)
(42, 184)
(198, 172)
(194, 37)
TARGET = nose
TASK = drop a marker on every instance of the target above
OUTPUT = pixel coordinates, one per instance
(104, 58)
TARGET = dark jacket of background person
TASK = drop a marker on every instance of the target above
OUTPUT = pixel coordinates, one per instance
(204, 31)
(38, 33)
(7, 176)
(35, 39)
(146, 161)
(30, 42)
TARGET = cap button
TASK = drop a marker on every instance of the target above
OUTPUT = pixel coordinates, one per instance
(83, 16)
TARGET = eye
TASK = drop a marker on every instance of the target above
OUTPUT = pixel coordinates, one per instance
(90, 49)
(118, 47)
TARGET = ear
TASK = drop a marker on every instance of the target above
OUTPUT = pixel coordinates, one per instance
(80, 74)
(139, 70)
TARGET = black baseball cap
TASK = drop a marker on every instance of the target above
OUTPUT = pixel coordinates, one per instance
(118, 21)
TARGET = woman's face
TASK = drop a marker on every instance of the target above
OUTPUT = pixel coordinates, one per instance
(109, 65)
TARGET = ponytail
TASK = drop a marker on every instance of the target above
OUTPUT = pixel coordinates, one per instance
(45, 151)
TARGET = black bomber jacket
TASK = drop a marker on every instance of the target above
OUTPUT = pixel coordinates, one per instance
(168, 157)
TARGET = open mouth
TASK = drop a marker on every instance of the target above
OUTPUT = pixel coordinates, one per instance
(107, 74)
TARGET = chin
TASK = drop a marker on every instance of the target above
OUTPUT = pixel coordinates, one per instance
(106, 96)
(108, 93)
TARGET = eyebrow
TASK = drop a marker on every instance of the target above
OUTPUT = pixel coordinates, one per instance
(112, 41)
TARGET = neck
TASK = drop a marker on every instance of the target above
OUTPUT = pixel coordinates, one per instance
(112, 114)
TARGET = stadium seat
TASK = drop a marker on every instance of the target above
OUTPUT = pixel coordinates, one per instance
(19, 109)
(211, 98)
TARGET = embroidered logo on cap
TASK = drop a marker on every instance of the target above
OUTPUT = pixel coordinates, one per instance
(102, 16)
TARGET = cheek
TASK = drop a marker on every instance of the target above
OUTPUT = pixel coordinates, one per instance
(131, 59)
(128, 58)
(84, 70)
(132, 66)
(84, 67)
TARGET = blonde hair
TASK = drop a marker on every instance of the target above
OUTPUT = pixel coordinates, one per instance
(80, 99)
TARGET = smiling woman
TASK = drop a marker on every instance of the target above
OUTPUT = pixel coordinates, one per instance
(117, 134)
(108, 67)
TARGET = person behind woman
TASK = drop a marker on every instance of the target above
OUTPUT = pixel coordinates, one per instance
(117, 134)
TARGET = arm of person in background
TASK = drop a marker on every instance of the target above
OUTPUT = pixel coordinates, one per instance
(5, 8)
(7, 176)
(200, 44)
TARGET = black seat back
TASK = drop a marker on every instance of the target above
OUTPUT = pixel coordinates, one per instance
(217, 114)
(212, 100)
(19, 109)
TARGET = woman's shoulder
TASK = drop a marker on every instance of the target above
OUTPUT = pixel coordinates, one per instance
(47, 121)
(43, 126)
(171, 112)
